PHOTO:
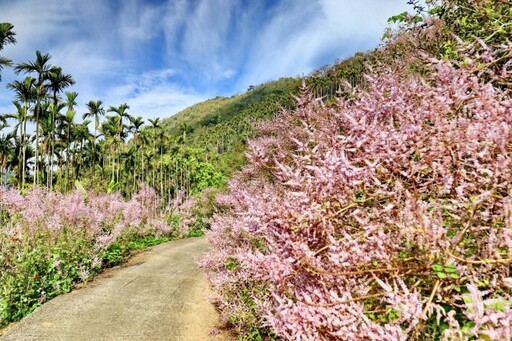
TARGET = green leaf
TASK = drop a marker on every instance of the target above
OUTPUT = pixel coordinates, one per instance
(498, 305)
(437, 267)
(450, 269)
(441, 275)
(398, 18)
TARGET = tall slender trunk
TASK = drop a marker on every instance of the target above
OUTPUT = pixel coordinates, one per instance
(161, 174)
(68, 158)
(36, 145)
(20, 157)
(24, 153)
(52, 152)
(94, 150)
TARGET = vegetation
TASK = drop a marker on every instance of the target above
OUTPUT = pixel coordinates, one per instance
(221, 126)
(50, 241)
(192, 150)
(384, 215)
(6, 37)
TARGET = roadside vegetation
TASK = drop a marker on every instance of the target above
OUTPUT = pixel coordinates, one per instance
(381, 212)
(51, 241)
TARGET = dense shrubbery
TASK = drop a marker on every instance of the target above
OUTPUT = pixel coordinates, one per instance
(51, 241)
(386, 216)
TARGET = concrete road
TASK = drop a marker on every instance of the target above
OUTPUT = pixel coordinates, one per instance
(160, 294)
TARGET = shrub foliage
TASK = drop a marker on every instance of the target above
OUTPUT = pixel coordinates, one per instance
(385, 216)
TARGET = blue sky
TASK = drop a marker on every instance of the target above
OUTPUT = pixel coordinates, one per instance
(160, 56)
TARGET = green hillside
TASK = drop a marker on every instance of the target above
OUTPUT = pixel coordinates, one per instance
(221, 126)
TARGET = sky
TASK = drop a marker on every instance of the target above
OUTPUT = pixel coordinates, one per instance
(161, 56)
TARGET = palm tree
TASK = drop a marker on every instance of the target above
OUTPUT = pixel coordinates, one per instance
(6, 148)
(109, 131)
(3, 122)
(122, 113)
(155, 123)
(42, 130)
(136, 124)
(6, 37)
(55, 109)
(95, 111)
(130, 160)
(82, 135)
(68, 123)
(25, 93)
(19, 131)
(71, 100)
(42, 68)
(57, 82)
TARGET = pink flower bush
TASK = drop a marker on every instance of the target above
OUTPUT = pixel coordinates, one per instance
(50, 240)
(377, 217)
(95, 215)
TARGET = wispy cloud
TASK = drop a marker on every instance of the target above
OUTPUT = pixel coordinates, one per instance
(303, 34)
(160, 56)
(153, 94)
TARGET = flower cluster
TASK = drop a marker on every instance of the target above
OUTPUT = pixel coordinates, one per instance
(386, 216)
(50, 240)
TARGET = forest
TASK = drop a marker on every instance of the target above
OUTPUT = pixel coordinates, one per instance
(368, 200)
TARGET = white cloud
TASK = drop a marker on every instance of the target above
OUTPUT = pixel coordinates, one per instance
(139, 22)
(303, 31)
(200, 37)
(160, 56)
(153, 94)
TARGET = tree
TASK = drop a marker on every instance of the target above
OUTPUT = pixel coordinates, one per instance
(155, 123)
(41, 67)
(6, 37)
(57, 82)
(135, 124)
(109, 131)
(95, 111)
(49, 129)
(122, 113)
(19, 131)
(6, 148)
(82, 135)
(68, 123)
(25, 93)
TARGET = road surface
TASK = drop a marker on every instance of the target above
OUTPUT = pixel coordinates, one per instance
(159, 294)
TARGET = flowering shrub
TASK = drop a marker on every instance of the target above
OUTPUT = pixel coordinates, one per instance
(192, 214)
(50, 240)
(387, 216)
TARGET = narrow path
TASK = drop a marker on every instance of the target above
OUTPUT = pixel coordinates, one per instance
(160, 294)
